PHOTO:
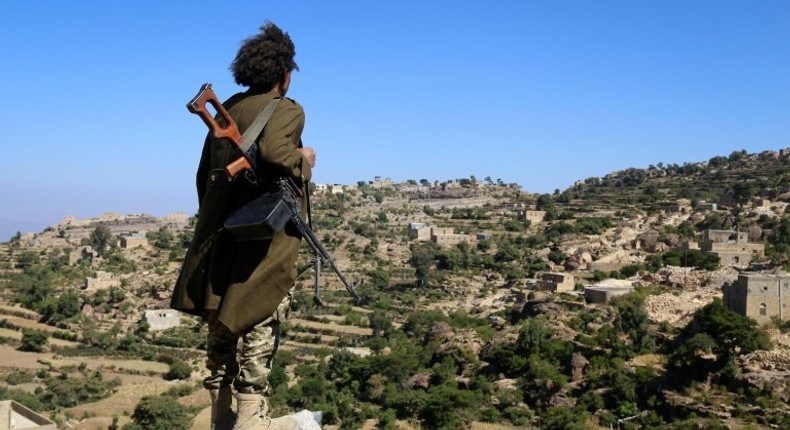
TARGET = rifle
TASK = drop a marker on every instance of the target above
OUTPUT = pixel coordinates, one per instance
(287, 190)
(293, 194)
(230, 131)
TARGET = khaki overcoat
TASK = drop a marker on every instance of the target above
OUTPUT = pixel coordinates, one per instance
(244, 281)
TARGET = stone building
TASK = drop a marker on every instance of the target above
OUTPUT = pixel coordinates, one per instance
(534, 217)
(419, 231)
(556, 282)
(177, 217)
(678, 206)
(732, 247)
(336, 189)
(759, 296)
(102, 280)
(604, 293)
(442, 236)
(16, 416)
(447, 237)
(133, 240)
(81, 254)
(161, 319)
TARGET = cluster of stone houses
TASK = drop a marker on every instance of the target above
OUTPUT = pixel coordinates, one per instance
(732, 247)
(760, 296)
(599, 293)
(331, 188)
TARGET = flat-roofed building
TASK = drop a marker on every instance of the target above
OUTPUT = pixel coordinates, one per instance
(556, 282)
(760, 296)
(162, 319)
(603, 293)
(15, 416)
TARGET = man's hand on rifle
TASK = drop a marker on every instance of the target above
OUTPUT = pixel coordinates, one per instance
(309, 155)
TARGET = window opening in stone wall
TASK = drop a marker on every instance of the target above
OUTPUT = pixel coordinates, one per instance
(763, 309)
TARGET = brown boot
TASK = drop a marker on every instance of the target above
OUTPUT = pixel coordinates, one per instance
(222, 416)
(254, 415)
(253, 412)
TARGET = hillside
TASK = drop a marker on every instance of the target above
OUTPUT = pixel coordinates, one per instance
(728, 180)
(480, 307)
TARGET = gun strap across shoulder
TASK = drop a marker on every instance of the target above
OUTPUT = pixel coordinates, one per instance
(248, 146)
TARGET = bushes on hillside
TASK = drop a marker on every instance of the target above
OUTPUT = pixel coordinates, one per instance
(160, 413)
(33, 341)
(714, 338)
(691, 258)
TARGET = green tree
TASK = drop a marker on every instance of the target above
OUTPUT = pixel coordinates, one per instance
(101, 239)
(178, 370)
(33, 341)
(380, 322)
(161, 239)
(380, 278)
(694, 355)
(556, 256)
(779, 239)
(423, 256)
(743, 191)
(159, 413)
(712, 221)
(718, 161)
(27, 258)
(731, 331)
(68, 391)
(277, 376)
(447, 407)
(692, 258)
(633, 321)
(61, 308)
(562, 418)
(507, 251)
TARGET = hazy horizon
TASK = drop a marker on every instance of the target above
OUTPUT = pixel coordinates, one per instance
(9, 226)
(540, 93)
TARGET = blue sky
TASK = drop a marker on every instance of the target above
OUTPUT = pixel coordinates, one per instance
(536, 92)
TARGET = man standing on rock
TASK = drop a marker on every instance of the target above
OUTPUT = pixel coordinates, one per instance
(242, 288)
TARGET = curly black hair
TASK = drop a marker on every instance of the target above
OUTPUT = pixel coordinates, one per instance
(263, 59)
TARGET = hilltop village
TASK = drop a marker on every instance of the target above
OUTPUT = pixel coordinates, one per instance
(648, 298)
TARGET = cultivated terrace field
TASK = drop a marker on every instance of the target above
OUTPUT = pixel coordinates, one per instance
(462, 322)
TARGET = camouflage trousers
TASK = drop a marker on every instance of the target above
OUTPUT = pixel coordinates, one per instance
(243, 360)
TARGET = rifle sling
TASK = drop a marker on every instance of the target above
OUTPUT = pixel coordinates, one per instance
(248, 146)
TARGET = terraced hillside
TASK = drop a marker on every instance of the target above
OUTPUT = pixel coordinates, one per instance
(457, 326)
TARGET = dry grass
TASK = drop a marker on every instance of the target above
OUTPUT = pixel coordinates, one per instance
(27, 323)
(120, 404)
(11, 359)
(18, 310)
(17, 335)
(114, 365)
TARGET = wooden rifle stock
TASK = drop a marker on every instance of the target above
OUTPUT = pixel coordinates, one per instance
(230, 131)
